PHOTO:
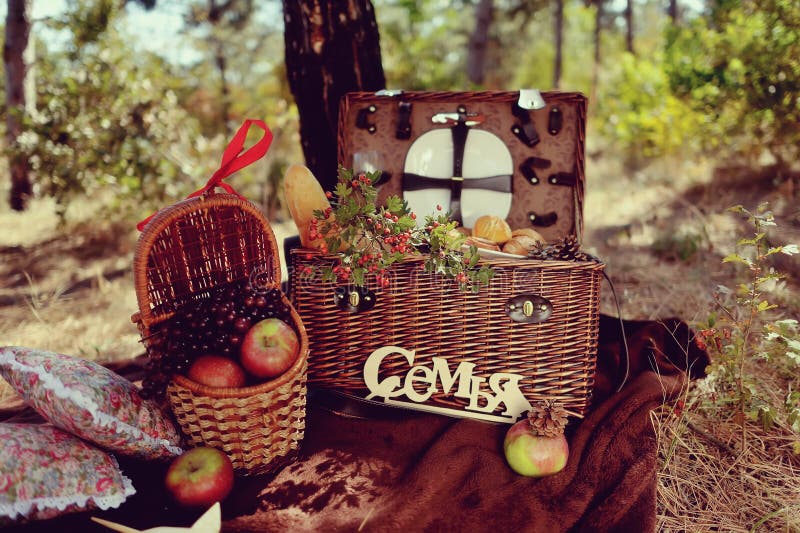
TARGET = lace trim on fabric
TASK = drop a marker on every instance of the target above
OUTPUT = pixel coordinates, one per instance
(24, 508)
(99, 417)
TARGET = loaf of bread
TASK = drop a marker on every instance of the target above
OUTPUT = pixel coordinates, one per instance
(304, 195)
(493, 228)
(519, 245)
(528, 232)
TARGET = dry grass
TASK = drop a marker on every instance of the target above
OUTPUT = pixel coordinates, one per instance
(704, 487)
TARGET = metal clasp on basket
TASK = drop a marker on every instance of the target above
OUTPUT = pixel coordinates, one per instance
(529, 308)
(354, 299)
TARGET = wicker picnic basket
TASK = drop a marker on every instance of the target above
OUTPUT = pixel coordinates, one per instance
(531, 334)
(183, 253)
(433, 318)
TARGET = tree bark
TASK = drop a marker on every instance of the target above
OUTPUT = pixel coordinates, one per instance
(673, 11)
(598, 28)
(558, 33)
(629, 26)
(17, 33)
(225, 93)
(479, 41)
(331, 48)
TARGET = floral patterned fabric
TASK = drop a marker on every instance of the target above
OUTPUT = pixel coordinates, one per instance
(90, 401)
(45, 472)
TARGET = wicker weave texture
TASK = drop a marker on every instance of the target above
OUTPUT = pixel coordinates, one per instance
(433, 317)
(186, 251)
(198, 244)
(255, 431)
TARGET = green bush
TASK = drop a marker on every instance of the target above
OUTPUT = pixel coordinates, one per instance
(740, 67)
(105, 123)
(642, 116)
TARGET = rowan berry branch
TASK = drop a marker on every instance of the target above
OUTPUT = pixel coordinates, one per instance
(368, 239)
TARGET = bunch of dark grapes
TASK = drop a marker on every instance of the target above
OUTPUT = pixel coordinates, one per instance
(216, 325)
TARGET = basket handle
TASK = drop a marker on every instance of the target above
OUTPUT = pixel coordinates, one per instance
(622, 328)
(233, 160)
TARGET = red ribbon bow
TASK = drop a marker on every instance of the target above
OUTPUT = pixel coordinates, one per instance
(233, 160)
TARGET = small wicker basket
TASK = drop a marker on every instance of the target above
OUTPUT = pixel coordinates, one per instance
(183, 253)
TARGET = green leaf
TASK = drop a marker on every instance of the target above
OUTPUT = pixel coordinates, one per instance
(394, 205)
(764, 306)
(745, 242)
(342, 191)
(793, 344)
(359, 277)
(790, 249)
(792, 402)
(736, 258)
(766, 416)
(793, 419)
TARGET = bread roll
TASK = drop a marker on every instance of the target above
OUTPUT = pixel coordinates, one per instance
(304, 195)
(493, 228)
(520, 245)
(528, 232)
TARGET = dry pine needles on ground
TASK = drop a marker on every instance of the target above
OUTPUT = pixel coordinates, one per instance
(703, 486)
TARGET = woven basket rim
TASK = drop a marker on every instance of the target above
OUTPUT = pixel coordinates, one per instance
(163, 219)
(419, 258)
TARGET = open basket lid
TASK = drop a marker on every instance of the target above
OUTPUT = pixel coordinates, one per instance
(206, 240)
(453, 148)
(198, 244)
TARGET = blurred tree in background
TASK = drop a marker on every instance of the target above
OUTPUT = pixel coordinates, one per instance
(738, 67)
(712, 78)
(16, 43)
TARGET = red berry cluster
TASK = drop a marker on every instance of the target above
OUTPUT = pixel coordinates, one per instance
(376, 237)
(715, 337)
(314, 233)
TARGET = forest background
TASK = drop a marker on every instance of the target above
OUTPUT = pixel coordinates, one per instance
(114, 109)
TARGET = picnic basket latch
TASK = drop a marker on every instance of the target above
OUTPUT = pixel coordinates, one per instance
(529, 308)
(354, 299)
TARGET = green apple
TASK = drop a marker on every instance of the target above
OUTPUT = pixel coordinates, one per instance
(530, 454)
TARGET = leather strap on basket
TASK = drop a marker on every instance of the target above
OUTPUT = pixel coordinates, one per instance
(233, 160)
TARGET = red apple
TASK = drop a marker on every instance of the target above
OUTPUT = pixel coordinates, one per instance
(200, 477)
(269, 348)
(217, 371)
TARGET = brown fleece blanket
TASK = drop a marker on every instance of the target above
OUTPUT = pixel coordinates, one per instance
(380, 469)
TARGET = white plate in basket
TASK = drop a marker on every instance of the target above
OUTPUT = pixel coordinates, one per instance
(492, 254)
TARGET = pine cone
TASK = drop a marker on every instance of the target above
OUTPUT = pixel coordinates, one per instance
(547, 418)
(566, 249)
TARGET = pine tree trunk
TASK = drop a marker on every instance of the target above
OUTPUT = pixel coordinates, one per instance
(558, 32)
(479, 41)
(673, 11)
(598, 27)
(17, 33)
(225, 92)
(629, 26)
(331, 48)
